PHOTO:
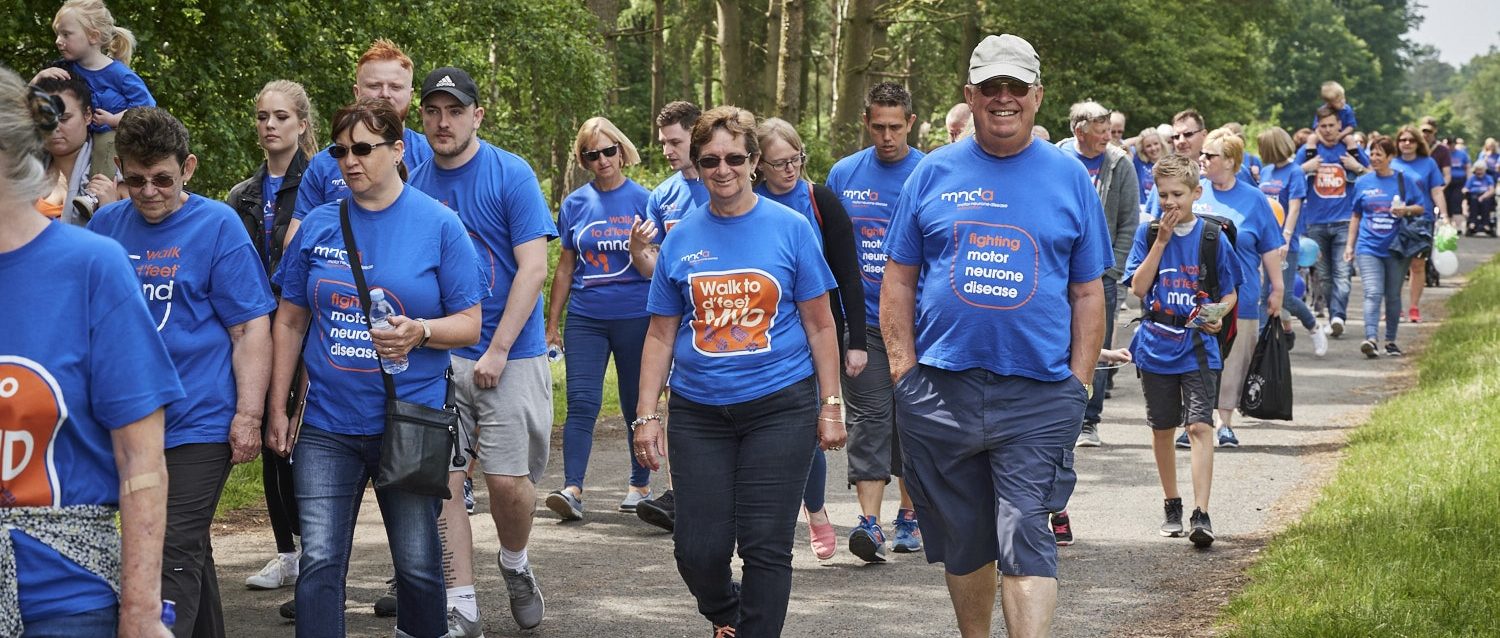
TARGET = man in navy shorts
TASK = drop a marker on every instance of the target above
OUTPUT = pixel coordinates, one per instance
(992, 360)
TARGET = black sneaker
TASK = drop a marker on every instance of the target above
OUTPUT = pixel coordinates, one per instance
(1368, 347)
(660, 511)
(1062, 529)
(385, 606)
(1392, 351)
(289, 609)
(1203, 530)
(1172, 526)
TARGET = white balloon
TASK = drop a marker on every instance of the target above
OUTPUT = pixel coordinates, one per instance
(1446, 262)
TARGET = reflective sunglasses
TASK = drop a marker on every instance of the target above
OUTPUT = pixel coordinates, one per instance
(1182, 136)
(159, 181)
(361, 149)
(782, 165)
(593, 156)
(712, 161)
(1017, 88)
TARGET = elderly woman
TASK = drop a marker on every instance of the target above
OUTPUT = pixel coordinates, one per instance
(756, 381)
(1372, 229)
(209, 295)
(417, 251)
(1413, 158)
(88, 378)
(81, 182)
(285, 131)
(605, 298)
(781, 162)
(1148, 148)
(1257, 243)
(1283, 180)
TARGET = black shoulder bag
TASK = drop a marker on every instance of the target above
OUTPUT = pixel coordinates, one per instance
(1413, 234)
(415, 450)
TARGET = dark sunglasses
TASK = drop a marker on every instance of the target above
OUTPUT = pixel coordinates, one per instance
(1187, 135)
(159, 181)
(1017, 88)
(593, 156)
(1406, 140)
(712, 161)
(1210, 156)
(361, 149)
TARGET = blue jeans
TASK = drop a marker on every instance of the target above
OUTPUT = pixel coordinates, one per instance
(331, 472)
(1332, 270)
(96, 623)
(1095, 407)
(590, 342)
(1292, 303)
(739, 471)
(1382, 278)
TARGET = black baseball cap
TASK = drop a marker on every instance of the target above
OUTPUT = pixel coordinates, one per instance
(453, 81)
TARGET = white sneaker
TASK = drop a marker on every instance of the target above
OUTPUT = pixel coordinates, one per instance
(1320, 340)
(1336, 327)
(279, 572)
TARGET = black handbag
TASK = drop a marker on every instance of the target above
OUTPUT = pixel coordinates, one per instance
(420, 443)
(1413, 234)
(1267, 392)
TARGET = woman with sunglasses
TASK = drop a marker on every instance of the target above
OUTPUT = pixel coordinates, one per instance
(739, 305)
(1413, 159)
(1373, 227)
(780, 180)
(416, 250)
(605, 298)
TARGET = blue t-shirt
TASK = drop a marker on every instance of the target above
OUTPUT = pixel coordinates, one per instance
(1373, 195)
(870, 189)
(1491, 162)
(200, 276)
(1091, 164)
(596, 226)
(1145, 176)
(1346, 118)
(799, 199)
(1425, 172)
(998, 241)
(1163, 348)
(86, 363)
(1458, 164)
(1477, 185)
(1286, 183)
(417, 251)
(115, 88)
(1250, 167)
(497, 196)
(323, 182)
(1330, 199)
(1256, 233)
(737, 282)
(268, 187)
(671, 200)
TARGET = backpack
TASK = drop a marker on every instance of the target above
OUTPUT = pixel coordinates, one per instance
(1215, 228)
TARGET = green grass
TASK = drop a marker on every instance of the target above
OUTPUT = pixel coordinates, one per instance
(1406, 539)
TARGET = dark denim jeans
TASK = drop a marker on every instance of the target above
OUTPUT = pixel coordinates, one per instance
(97, 623)
(1095, 407)
(739, 471)
(589, 343)
(331, 472)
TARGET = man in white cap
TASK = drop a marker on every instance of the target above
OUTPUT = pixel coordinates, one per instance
(994, 361)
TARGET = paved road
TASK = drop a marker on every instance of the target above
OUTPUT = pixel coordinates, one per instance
(612, 574)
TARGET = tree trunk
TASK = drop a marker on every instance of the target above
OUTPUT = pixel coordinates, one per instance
(789, 63)
(858, 30)
(970, 37)
(608, 12)
(658, 44)
(771, 67)
(708, 67)
(732, 76)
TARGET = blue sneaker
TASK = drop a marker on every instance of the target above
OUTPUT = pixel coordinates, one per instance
(567, 506)
(1182, 440)
(867, 541)
(1227, 438)
(908, 535)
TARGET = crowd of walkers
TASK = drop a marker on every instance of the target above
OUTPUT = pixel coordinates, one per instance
(918, 313)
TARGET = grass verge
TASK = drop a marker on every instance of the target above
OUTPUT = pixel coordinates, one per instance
(1405, 540)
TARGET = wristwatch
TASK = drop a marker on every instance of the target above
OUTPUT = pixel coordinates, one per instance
(426, 333)
(1088, 390)
(833, 400)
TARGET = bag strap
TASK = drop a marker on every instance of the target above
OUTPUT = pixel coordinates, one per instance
(813, 197)
(1208, 258)
(1401, 186)
(352, 249)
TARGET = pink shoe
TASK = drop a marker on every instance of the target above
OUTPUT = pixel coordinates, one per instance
(824, 540)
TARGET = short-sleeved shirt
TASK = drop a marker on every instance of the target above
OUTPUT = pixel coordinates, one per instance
(1425, 172)
(417, 251)
(1256, 233)
(1458, 164)
(115, 88)
(1346, 118)
(799, 199)
(323, 182)
(497, 196)
(1477, 185)
(87, 363)
(200, 276)
(1145, 176)
(671, 200)
(998, 241)
(1373, 198)
(1249, 168)
(742, 337)
(1286, 183)
(1162, 348)
(1330, 196)
(595, 225)
(870, 190)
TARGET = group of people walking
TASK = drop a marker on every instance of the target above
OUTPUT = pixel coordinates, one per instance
(918, 312)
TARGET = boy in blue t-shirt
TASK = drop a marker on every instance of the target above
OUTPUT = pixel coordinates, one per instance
(1333, 97)
(1479, 191)
(1174, 349)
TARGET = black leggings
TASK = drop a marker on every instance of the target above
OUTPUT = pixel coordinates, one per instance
(281, 499)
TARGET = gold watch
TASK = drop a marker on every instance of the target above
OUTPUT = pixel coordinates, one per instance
(1088, 390)
(833, 400)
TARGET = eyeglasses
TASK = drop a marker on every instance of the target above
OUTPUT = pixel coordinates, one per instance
(161, 180)
(1406, 140)
(1209, 156)
(1182, 136)
(712, 161)
(790, 162)
(1428, 131)
(1017, 88)
(593, 156)
(361, 149)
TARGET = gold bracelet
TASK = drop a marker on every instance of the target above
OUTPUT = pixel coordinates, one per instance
(824, 418)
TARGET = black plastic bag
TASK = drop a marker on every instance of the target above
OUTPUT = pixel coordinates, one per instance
(1268, 385)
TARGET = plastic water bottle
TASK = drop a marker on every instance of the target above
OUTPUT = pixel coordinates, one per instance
(555, 353)
(168, 613)
(380, 310)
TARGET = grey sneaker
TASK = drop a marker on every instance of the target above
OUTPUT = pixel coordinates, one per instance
(1089, 437)
(1203, 530)
(460, 627)
(632, 499)
(526, 604)
(1172, 526)
(567, 506)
